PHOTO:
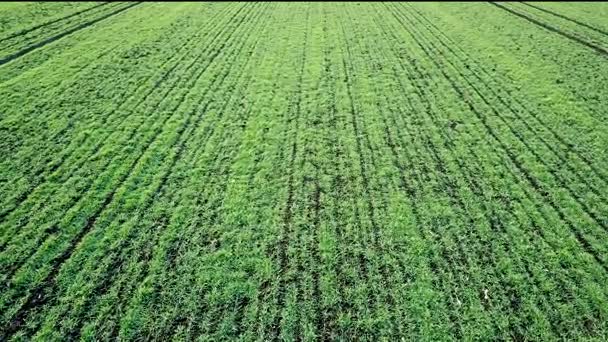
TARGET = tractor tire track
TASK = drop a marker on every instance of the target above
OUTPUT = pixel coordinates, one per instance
(36, 46)
(28, 30)
(602, 51)
(329, 319)
(566, 18)
(42, 35)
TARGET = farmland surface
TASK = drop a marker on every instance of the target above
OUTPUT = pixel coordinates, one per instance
(303, 171)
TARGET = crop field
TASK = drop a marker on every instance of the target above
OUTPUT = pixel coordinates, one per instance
(303, 171)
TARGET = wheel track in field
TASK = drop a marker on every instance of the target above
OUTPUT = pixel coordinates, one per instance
(373, 210)
(602, 51)
(25, 31)
(315, 254)
(452, 46)
(313, 215)
(105, 284)
(15, 266)
(43, 173)
(582, 178)
(329, 323)
(531, 179)
(263, 290)
(566, 18)
(363, 261)
(297, 265)
(38, 297)
(590, 103)
(77, 71)
(287, 217)
(74, 77)
(36, 46)
(312, 211)
(359, 260)
(11, 45)
(474, 188)
(324, 321)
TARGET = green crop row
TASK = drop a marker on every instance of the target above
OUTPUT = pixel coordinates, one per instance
(315, 171)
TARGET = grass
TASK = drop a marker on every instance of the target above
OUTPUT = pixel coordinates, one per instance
(273, 171)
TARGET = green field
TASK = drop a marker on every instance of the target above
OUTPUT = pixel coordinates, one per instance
(304, 171)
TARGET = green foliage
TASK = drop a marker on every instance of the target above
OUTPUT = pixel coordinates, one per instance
(265, 171)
